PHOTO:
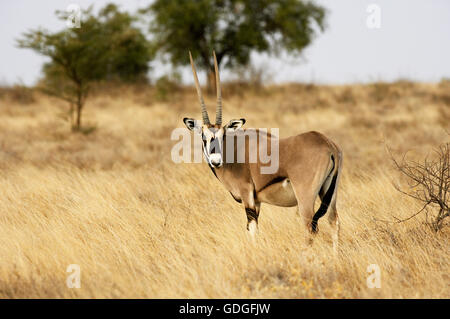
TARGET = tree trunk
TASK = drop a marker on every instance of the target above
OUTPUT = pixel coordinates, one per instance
(79, 106)
(211, 75)
(71, 113)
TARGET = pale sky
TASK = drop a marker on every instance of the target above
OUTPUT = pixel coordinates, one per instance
(413, 42)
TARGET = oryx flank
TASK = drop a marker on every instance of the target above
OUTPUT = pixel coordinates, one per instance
(309, 165)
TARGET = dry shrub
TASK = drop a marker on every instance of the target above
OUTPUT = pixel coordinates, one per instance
(254, 76)
(249, 79)
(382, 91)
(236, 88)
(18, 94)
(429, 183)
(444, 116)
(445, 83)
(167, 86)
(346, 96)
(404, 84)
(443, 98)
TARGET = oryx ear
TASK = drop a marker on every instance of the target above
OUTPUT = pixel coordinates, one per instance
(192, 124)
(234, 125)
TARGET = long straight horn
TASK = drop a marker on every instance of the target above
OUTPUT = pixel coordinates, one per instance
(199, 93)
(219, 92)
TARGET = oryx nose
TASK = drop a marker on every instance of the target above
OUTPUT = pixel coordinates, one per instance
(216, 160)
(216, 165)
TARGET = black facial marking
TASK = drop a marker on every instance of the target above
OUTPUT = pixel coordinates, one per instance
(213, 170)
(214, 146)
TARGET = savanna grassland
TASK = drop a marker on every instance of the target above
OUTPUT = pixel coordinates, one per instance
(112, 201)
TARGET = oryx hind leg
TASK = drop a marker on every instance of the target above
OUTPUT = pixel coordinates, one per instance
(305, 209)
(306, 212)
(306, 196)
(333, 216)
(328, 196)
(334, 222)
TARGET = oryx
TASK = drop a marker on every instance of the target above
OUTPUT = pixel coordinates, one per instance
(309, 165)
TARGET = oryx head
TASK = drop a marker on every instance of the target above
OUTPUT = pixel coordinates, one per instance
(212, 134)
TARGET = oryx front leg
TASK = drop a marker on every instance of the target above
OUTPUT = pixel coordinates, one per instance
(252, 219)
(252, 210)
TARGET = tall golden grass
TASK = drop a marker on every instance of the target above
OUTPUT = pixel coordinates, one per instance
(141, 226)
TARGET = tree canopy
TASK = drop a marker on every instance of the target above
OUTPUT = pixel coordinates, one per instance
(233, 28)
(106, 47)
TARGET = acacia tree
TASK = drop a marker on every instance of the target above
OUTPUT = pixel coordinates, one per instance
(105, 47)
(233, 28)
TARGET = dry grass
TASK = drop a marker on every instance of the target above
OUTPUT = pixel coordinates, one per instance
(139, 225)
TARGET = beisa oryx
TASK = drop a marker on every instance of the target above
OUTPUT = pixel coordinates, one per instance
(308, 166)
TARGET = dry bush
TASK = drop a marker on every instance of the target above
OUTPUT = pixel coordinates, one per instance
(254, 76)
(380, 91)
(167, 86)
(17, 94)
(445, 82)
(429, 183)
(346, 96)
(249, 79)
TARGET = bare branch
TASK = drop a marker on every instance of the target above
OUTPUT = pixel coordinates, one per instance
(428, 181)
